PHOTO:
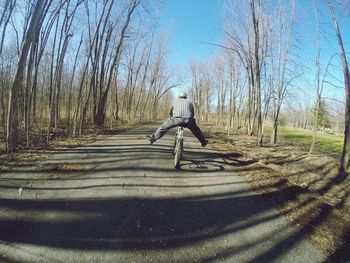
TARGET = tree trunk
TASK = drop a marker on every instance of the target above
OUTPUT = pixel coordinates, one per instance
(71, 86)
(12, 118)
(256, 25)
(343, 164)
(319, 91)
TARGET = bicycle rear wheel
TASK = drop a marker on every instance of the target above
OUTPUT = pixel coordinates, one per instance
(178, 152)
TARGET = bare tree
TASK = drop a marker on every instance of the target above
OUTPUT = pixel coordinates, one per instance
(100, 114)
(6, 14)
(70, 96)
(238, 41)
(343, 165)
(65, 37)
(202, 83)
(279, 63)
(58, 76)
(12, 118)
(80, 107)
(144, 74)
(221, 89)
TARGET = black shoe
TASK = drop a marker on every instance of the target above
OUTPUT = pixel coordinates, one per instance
(204, 143)
(151, 141)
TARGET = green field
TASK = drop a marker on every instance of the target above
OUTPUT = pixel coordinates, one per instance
(326, 143)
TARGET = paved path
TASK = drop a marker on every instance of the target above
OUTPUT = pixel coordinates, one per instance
(125, 202)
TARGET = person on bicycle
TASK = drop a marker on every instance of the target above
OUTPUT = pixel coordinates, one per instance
(181, 114)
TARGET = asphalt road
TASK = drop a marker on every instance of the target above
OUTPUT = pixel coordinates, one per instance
(125, 202)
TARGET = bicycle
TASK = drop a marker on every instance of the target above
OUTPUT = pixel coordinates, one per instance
(179, 146)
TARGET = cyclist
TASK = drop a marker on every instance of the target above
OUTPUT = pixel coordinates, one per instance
(181, 114)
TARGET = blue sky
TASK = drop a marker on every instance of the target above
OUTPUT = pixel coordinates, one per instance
(192, 22)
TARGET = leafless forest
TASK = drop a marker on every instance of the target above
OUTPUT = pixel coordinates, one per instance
(70, 66)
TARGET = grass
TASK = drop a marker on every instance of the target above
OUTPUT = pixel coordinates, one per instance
(325, 143)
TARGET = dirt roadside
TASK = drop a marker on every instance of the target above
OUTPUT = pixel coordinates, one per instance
(41, 151)
(307, 189)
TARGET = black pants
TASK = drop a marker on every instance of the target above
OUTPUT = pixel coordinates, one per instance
(189, 123)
